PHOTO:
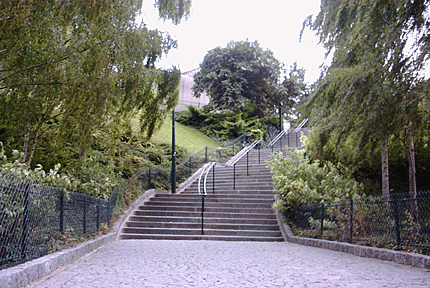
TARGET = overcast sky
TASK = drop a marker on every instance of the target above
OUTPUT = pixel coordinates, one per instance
(275, 24)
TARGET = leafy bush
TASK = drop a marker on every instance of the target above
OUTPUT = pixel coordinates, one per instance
(226, 125)
(14, 167)
(299, 182)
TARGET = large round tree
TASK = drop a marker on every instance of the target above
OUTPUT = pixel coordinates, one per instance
(238, 73)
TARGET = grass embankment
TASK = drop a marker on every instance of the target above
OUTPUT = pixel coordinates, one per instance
(188, 138)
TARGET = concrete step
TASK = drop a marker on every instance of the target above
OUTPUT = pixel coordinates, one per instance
(241, 214)
(198, 231)
(244, 209)
(250, 202)
(197, 225)
(206, 214)
(214, 220)
(201, 237)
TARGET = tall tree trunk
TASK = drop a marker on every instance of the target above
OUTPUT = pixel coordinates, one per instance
(385, 171)
(412, 176)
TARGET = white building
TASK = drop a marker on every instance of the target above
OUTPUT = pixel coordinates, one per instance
(186, 93)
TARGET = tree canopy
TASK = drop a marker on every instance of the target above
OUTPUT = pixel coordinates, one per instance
(240, 72)
(371, 90)
(69, 67)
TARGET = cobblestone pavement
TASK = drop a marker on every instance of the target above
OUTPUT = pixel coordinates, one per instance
(163, 263)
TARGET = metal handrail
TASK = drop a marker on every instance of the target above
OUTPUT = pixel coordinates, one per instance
(241, 153)
(301, 125)
(282, 133)
(208, 166)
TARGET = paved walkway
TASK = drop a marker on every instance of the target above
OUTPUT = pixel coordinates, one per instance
(164, 263)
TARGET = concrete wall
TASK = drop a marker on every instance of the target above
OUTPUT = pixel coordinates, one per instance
(186, 94)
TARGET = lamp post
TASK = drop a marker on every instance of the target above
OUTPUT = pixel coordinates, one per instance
(173, 172)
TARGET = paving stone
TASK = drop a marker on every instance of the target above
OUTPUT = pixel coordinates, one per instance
(165, 263)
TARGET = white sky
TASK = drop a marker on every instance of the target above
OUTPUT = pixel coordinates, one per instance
(275, 24)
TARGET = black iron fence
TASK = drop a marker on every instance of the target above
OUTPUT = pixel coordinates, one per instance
(398, 222)
(32, 216)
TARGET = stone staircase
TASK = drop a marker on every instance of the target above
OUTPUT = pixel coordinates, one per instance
(237, 209)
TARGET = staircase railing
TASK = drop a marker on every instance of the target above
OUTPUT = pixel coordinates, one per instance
(283, 132)
(211, 165)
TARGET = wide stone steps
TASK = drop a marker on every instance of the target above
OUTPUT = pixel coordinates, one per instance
(161, 220)
(241, 214)
(197, 225)
(201, 237)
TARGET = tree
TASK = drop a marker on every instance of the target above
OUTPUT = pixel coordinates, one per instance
(369, 90)
(69, 67)
(240, 72)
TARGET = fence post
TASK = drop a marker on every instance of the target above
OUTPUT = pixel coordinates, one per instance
(203, 210)
(213, 179)
(25, 221)
(322, 218)
(62, 212)
(234, 177)
(149, 178)
(396, 220)
(288, 139)
(351, 218)
(280, 145)
(247, 160)
(84, 218)
(206, 154)
(98, 215)
(259, 147)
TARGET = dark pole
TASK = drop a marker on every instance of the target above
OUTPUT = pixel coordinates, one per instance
(173, 173)
(280, 117)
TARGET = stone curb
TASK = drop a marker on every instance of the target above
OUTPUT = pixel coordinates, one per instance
(31, 271)
(400, 257)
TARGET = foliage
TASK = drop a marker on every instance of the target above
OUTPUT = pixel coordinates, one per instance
(14, 167)
(299, 182)
(227, 125)
(238, 73)
(373, 89)
(67, 69)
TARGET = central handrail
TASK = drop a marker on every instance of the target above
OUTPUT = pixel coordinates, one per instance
(282, 133)
(207, 168)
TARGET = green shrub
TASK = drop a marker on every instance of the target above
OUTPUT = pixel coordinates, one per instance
(299, 182)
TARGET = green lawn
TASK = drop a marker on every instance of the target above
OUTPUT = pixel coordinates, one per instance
(186, 137)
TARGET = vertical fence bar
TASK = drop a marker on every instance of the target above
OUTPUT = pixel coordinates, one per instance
(206, 154)
(62, 212)
(351, 218)
(25, 220)
(280, 145)
(191, 163)
(213, 179)
(322, 219)
(297, 140)
(149, 178)
(288, 139)
(396, 220)
(234, 177)
(247, 162)
(98, 215)
(84, 217)
(203, 211)
(259, 148)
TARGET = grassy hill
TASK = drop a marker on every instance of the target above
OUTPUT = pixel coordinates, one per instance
(187, 137)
